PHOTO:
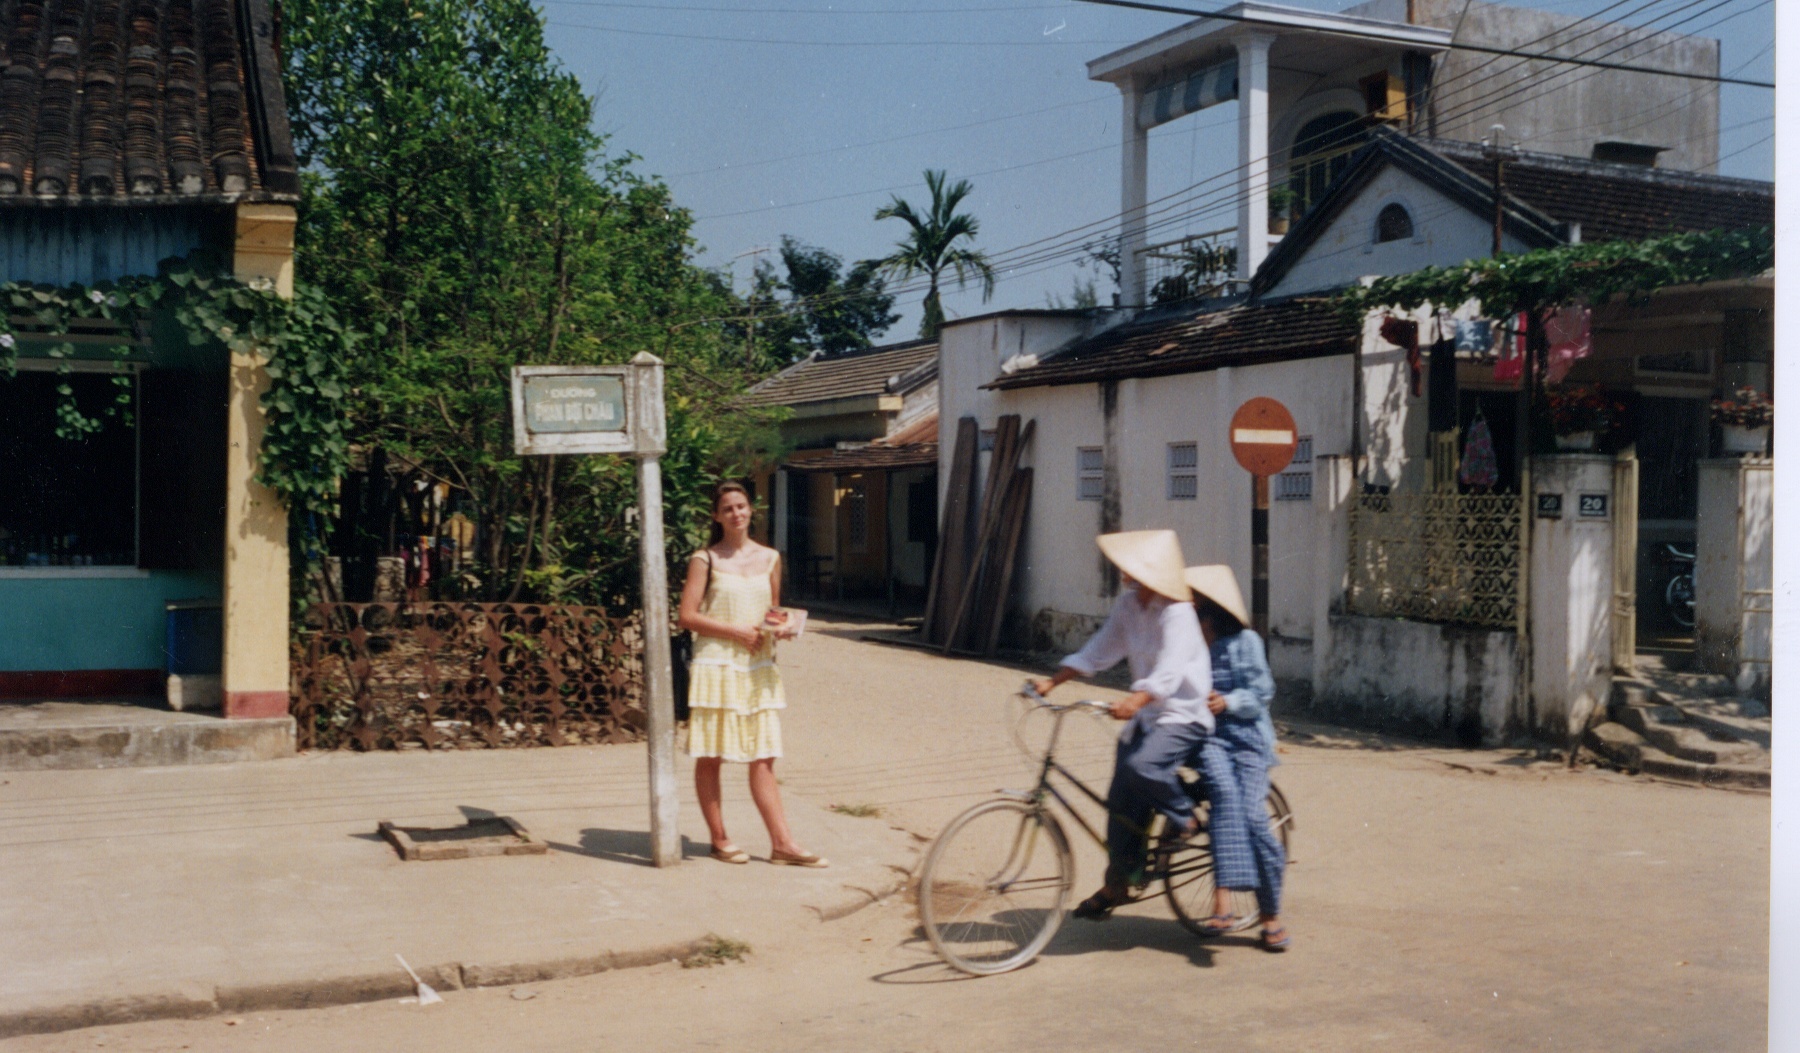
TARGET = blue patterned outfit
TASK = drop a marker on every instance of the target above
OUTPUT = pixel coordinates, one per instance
(1237, 770)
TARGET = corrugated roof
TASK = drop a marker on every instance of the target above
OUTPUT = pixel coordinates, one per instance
(861, 373)
(1198, 340)
(872, 458)
(141, 102)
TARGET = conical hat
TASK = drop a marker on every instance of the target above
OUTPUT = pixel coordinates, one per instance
(1216, 582)
(1152, 557)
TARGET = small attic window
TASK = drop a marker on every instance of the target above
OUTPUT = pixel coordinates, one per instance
(1640, 154)
(1393, 223)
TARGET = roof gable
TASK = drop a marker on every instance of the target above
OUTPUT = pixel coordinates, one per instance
(141, 102)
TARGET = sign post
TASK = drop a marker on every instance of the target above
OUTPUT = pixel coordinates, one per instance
(1263, 440)
(619, 409)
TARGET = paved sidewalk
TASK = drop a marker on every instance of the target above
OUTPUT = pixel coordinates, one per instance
(139, 893)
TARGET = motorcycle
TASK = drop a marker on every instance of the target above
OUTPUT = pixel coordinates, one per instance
(1678, 595)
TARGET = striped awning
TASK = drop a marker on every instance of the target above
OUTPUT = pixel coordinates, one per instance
(1185, 95)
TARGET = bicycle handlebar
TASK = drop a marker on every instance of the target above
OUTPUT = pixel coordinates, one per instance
(1030, 694)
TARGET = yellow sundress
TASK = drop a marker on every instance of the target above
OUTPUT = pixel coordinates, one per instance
(734, 694)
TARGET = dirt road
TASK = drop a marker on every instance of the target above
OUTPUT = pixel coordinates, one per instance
(1440, 900)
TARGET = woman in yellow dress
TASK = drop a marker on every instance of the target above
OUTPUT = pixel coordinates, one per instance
(734, 689)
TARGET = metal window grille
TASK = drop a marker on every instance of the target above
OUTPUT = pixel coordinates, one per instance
(1296, 483)
(1090, 473)
(1184, 460)
(1436, 557)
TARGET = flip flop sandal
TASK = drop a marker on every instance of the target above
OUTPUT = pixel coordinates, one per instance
(1276, 940)
(732, 854)
(1218, 925)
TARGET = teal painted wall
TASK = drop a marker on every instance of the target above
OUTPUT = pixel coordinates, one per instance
(59, 624)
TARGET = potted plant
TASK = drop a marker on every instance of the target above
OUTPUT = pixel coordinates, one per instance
(1744, 417)
(1579, 413)
(1281, 205)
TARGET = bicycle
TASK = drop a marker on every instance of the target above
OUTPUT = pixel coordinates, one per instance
(995, 886)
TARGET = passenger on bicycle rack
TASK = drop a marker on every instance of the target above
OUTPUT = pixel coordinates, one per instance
(1242, 690)
(1152, 625)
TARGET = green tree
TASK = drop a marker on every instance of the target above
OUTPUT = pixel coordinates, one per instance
(813, 306)
(931, 247)
(459, 206)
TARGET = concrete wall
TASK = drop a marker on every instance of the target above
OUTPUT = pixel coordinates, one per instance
(1566, 110)
(58, 619)
(1444, 233)
(1571, 599)
(1734, 570)
(1419, 678)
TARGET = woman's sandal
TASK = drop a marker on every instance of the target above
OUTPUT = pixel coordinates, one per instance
(1276, 939)
(1218, 925)
(803, 859)
(1100, 905)
(730, 854)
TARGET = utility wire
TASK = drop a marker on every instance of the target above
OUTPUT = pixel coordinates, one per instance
(812, 10)
(1221, 16)
(1043, 42)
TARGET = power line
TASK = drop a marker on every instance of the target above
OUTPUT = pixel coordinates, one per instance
(1045, 42)
(812, 10)
(1715, 78)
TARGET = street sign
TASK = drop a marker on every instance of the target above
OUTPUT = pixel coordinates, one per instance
(584, 409)
(619, 409)
(1263, 436)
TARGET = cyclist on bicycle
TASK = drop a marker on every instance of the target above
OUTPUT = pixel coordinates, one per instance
(1152, 625)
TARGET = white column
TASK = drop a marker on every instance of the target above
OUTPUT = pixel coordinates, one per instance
(1253, 151)
(1134, 192)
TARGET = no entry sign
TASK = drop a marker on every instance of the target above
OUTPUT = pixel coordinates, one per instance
(1263, 437)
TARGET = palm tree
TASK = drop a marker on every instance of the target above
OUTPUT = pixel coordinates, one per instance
(931, 247)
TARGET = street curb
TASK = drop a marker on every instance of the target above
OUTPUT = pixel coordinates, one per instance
(191, 1003)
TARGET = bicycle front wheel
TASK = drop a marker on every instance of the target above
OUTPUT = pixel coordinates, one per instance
(995, 886)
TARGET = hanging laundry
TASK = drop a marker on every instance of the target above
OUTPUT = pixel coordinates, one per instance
(1474, 335)
(1405, 334)
(1511, 363)
(1480, 468)
(1569, 333)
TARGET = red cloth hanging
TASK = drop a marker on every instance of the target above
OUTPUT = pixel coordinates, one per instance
(1405, 334)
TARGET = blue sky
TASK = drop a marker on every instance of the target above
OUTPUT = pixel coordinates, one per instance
(802, 117)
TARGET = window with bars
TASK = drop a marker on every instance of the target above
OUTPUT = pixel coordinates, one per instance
(1184, 471)
(1090, 473)
(1295, 484)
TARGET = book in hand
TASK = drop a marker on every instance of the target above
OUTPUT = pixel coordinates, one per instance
(784, 623)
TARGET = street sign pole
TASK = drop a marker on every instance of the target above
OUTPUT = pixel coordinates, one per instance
(619, 410)
(1263, 441)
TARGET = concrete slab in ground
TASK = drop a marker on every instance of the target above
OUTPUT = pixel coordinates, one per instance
(156, 892)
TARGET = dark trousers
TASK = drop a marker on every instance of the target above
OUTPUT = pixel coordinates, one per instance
(1146, 781)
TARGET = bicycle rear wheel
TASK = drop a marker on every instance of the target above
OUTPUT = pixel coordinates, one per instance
(995, 886)
(1190, 879)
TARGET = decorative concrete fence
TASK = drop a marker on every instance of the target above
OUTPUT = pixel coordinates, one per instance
(1734, 570)
(465, 675)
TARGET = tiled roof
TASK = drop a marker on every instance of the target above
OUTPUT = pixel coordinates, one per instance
(861, 373)
(1194, 341)
(141, 102)
(872, 458)
(1615, 202)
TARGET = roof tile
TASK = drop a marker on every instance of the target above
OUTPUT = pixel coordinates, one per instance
(858, 374)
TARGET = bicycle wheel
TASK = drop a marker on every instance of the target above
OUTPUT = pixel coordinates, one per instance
(1190, 879)
(995, 886)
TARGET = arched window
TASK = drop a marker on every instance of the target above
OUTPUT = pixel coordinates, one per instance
(1321, 152)
(1393, 223)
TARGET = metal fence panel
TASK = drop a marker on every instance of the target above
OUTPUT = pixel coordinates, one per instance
(462, 675)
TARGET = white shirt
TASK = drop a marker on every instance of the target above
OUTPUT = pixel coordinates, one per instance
(1168, 655)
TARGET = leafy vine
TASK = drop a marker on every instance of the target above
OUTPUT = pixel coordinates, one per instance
(1547, 278)
(306, 351)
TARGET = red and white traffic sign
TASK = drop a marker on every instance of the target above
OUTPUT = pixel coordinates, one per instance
(1263, 438)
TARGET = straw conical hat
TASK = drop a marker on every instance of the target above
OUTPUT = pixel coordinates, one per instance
(1152, 557)
(1216, 582)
